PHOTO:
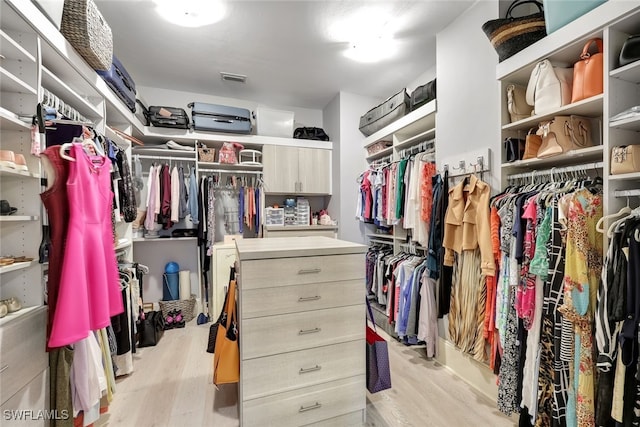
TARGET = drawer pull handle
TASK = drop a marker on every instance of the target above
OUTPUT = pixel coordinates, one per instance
(310, 271)
(309, 331)
(306, 371)
(305, 299)
(309, 408)
(4, 368)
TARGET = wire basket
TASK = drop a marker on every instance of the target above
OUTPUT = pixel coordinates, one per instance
(207, 154)
(88, 32)
(187, 307)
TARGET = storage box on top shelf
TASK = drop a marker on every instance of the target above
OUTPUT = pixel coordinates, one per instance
(271, 122)
(558, 13)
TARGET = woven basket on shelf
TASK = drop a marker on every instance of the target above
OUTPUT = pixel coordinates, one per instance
(88, 32)
(207, 154)
(185, 305)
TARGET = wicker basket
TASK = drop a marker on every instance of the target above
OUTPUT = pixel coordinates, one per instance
(88, 32)
(186, 305)
(207, 154)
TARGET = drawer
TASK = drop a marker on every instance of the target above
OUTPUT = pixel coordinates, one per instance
(301, 233)
(22, 351)
(268, 273)
(288, 371)
(296, 298)
(32, 397)
(356, 418)
(306, 406)
(264, 336)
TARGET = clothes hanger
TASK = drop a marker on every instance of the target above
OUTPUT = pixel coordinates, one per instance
(625, 210)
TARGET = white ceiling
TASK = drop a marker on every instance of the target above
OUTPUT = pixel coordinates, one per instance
(291, 51)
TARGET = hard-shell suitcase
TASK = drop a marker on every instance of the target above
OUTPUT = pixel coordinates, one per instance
(119, 80)
(168, 117)
(220, 118)
(423, 94)
(387, 112)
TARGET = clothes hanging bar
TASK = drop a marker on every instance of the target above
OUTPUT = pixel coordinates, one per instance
(566, 169)
(173, 159)
(381, 242)
(627, 193)
(231, 171)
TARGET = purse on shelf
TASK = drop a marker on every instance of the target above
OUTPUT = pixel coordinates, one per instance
(515, 148)
(509, 35)
(517, 103)
(588, 72)
(625, 159)
(532, 145)
(630, 51)
(549, 87)
(206, 154)
(563, 134)
(228, 153)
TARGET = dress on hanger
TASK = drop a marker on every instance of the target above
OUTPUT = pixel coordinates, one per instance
(89, 292)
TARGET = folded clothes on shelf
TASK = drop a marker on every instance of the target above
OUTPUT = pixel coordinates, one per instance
(627, 114)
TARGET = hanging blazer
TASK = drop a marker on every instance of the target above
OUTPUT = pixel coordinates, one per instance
(467, 223)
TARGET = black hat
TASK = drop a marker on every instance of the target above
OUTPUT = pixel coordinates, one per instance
(6, 209)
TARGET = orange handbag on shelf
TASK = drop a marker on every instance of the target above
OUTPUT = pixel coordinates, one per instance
(588, 73)
(226, 357)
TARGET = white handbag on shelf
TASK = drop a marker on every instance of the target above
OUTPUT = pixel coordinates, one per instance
(549, 87)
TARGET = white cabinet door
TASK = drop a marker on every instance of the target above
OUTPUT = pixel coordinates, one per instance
(314, 171)
(280, 169)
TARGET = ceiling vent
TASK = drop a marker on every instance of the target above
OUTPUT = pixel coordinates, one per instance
(232, 77)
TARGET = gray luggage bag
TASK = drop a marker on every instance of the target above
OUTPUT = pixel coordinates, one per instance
(387, 112)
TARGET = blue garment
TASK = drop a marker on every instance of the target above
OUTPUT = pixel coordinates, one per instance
(406, 276)
(193, 197)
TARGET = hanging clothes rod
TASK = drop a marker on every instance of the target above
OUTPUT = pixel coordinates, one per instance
(232, 171)
(381, 242)
(412, 246)
(554, 170)
(627, 193)
(174, 159)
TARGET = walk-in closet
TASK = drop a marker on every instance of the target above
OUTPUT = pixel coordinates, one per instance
(266, 213)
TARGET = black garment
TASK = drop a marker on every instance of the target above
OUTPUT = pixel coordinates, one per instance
(446, 272)
(126, 192)
(120, 325)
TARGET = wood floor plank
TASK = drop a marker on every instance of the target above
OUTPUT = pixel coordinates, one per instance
(172, 386)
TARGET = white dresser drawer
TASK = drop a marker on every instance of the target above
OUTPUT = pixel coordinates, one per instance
(288, 371)
(306, 406)
(22, 352)
(268, 273)
(297, 298)
(265, 336)
(34, 397)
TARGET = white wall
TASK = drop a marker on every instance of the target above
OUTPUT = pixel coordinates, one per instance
(348, 161)
(331, 120)
(180, 99)
(422, 79)
(468, 97)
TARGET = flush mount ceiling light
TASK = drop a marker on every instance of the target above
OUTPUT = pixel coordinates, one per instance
(368, 34)
(191, 13)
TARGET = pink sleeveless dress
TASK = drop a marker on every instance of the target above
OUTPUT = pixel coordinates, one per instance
(89, 291)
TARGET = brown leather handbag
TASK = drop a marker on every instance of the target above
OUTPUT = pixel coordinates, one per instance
(588, 72)
(532, 145)
(564, 134)
(226, 357)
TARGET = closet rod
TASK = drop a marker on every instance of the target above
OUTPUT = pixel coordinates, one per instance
(627, 193)
(576, 168)
(174, 159)
(412, 246)
(381, 242)
(232, 171)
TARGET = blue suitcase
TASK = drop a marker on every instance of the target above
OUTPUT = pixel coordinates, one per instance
(220, 118)
(119, 80)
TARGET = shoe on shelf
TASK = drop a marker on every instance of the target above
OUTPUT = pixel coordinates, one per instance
(178, 320)
(7, 159)
(21, 163)
(12, 304)
(3, 309)
(6, 208)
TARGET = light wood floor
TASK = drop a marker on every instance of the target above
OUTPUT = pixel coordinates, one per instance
(171, 386)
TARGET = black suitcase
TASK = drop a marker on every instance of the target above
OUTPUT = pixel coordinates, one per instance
(220, 118)
(119, 80)
(168, 117)
(423, 94)
(384, 114)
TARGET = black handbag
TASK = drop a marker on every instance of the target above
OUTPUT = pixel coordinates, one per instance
(222, 318)
(630, 51)
(317, 134)
(514, 148)
(151, 329)
(510, 35)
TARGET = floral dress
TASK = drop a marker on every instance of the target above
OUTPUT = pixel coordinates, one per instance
(583, 264)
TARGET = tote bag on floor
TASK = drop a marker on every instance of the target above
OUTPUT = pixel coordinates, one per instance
(378, 371)
(226, 357)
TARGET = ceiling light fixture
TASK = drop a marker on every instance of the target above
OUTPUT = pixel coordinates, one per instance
(191, 13)
(373, 49)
